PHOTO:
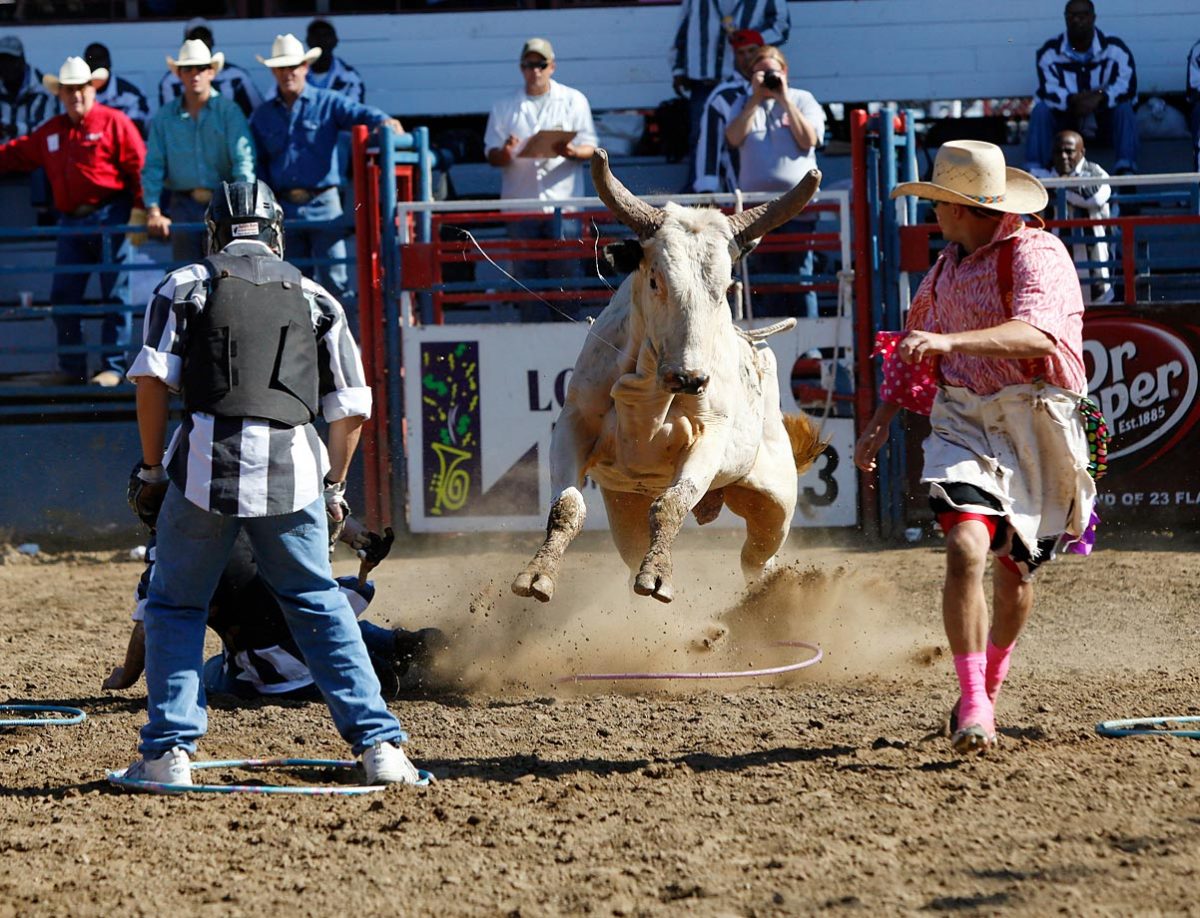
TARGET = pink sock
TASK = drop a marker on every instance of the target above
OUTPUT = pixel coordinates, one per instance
(974, 707)
(998, 660)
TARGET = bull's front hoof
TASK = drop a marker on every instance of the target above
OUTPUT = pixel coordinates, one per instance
(649, 583)
(534, 583)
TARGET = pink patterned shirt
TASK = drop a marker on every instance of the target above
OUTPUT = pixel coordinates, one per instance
(1045, 293)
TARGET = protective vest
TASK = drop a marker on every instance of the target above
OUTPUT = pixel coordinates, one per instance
(252, 351)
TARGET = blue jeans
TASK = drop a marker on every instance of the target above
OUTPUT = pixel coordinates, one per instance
(68, 289)
(187, 246)
(1115, 127)
(1194, 122)
(316, 242)
(292, 551)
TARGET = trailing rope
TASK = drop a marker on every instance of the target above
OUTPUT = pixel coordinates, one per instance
(73, 715)
(736, 674)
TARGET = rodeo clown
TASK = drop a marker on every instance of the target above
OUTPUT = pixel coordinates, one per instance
(259, 657)
(255, 350)
(995, 338)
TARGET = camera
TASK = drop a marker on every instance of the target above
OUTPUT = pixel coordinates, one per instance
(771, 80)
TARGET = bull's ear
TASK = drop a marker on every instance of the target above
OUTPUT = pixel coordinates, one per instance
(747, 249)
(624, 256)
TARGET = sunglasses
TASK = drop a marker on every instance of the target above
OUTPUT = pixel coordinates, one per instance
(532, 65)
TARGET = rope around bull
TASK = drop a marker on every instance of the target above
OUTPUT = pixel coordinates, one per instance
(735, 674)
(73, 715)
(118, 779)
(1148, 726)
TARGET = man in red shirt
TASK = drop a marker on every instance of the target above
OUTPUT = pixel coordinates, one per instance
(93, 157)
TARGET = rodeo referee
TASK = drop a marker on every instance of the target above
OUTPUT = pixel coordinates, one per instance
(255, 349)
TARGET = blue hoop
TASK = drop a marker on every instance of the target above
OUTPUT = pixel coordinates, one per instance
(118, 778)
(1145, 726)
(76, 716)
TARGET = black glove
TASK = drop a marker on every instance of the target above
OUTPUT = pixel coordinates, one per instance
(372, 547)
(336, 509)
(147, 488)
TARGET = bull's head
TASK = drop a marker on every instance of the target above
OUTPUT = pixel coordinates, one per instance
(685, 270)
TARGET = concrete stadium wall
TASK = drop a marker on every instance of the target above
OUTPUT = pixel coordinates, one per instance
(843, 51)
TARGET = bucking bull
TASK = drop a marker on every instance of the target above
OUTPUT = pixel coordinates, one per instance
(672, 408)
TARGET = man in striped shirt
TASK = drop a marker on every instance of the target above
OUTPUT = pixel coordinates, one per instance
(701, 56)
(1087, 82)
(716, 162)
(256, 350)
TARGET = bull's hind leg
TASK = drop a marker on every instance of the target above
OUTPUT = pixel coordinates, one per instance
(768, 520)
(569, 448)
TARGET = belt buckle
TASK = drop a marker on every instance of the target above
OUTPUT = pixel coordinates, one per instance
(201, 195)
(299, 195)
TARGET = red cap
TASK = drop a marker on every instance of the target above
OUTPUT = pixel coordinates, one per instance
(743, 37)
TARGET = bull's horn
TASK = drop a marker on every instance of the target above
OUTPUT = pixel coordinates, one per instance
(635, 213)
(758, 221)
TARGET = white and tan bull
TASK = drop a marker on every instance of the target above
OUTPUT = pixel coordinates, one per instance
(671, 408)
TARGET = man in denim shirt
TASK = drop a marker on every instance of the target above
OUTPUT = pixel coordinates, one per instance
(296, 134)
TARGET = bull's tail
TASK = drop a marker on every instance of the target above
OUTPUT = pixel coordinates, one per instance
(805, 438)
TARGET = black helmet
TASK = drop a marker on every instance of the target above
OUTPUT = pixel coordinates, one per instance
(243, 210)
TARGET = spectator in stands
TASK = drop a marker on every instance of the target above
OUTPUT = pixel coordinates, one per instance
(296, 134)
(1087, 82)
(328, 71)
(93, 156)
(776, 132)
(232, 82)
(716, 164)
(1088, 202)
(701, 56)
(1193, 97)
(197, 141)
(542, 104)
(117, 92)
(24, 102)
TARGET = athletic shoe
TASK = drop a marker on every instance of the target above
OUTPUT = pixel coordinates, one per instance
(386, 763)
(173, 767)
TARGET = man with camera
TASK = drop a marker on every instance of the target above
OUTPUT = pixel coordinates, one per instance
(776, 134)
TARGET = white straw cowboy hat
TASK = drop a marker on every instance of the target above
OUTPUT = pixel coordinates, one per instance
(287, 51)
(195, 53)
(75, 72)
(973, 173)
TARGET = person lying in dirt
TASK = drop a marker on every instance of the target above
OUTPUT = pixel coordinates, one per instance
(259, 658)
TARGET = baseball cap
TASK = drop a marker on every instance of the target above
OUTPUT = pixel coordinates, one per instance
(11, 45)
(538, 46)
(743, 37)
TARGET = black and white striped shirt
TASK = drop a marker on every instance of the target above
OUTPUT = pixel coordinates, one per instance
(125, 97)
(340, 77)
(232, 82)
(716, 161)
(1106, 65)
(25, 109)
(249, 467)
(702, 51)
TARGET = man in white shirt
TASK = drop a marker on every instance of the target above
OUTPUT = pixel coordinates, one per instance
(542, 104)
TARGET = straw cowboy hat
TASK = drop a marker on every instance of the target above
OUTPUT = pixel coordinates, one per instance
(195, 53)
(75, 72)
(287, 51)
(973, 173)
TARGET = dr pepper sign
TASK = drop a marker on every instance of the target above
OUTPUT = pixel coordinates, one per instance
(1141, 371)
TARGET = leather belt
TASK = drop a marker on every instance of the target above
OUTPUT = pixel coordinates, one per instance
(85, 210)
(303, 195)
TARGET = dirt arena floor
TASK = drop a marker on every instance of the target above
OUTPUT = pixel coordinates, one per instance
(831, 790)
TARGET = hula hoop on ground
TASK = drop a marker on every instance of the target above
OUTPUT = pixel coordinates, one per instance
(1147, 726)
(737, 674)
(74, 715)
(118, 779)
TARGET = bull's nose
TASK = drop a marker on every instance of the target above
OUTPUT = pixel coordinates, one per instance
(687, 382)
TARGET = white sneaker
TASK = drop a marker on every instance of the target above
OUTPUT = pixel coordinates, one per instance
(386, 763)
(173, 767)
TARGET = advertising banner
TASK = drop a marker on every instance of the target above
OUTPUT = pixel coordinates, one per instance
(481, 401)
(1141, 369)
